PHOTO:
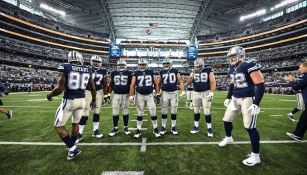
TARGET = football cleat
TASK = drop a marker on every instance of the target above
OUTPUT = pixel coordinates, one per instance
(226, 141)
(163, 131)
(113, 132)
(79, 138)
(252, 160)
(210, 132)
(126, 130)
(291, 117)
(194, 130)
(97, 134)
(137, 134)
(72, 154)
(174, 130)
(9, 114)
(294, 137)
(155, 131)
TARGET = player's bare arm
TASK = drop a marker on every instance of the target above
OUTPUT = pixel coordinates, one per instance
(91, 85)
(132, 89)
(59, 88)
(212, 82)
(157, 83)
(105, 86)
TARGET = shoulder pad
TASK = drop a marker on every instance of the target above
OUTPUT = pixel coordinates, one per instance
(252, 65)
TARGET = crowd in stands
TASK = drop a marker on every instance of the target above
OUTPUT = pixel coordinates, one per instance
(30, 61)
(21, 78)
(255, 27)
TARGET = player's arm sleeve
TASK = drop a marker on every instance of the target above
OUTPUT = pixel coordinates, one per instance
(61, 68)
(253, 65)
(230, 91)
(299, 85)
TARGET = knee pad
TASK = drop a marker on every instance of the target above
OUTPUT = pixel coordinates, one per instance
(173, 116)
(139, 118)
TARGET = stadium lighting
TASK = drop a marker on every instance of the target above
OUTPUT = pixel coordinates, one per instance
(257, 13)
(283, 3)
(47, 7)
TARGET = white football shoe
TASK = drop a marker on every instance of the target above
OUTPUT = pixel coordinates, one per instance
(226, 141)
(252, 160)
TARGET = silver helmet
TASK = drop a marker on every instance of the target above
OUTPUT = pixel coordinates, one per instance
(167, 64)
(121, 65)
(75, 56)
(238, 52)
(199, 64)
(142, 65)
(96, 61)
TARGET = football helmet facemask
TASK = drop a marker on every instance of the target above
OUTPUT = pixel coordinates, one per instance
(121, 65)
(96, 61)
(236, 54)
(75, 56)
(167, 64)
(199, 64)
(142, 65)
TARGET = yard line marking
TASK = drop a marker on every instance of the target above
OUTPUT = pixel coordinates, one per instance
(143, 146)
(288, 100)
(137, 114)
(134, 129)
(131, 107)
(122, 173)
(136, 120)
(149, 143)
(60, 144)
(28, 92)
(276, 115)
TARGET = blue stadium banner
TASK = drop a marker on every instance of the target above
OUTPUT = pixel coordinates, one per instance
(115, 51)
(192, 52)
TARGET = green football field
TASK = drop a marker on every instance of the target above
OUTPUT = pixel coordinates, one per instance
(29, 144)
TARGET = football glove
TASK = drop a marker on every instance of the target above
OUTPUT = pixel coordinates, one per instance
(158, 97)
(254, 109)
(226, 102)
(210, 96)
(105, 99)
(49, 98)
(93, 104)
(131, 100)
(182, 94)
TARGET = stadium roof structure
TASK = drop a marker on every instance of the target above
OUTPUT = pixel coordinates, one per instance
(168, 19)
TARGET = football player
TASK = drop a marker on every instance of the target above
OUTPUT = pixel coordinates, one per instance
(245, 76)
(8, 113)
(120, 84)
(170, 78)
(204, 86)
(143, 82)
(98, 75)
(73, 80)
(300, 84)
(300, 102)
